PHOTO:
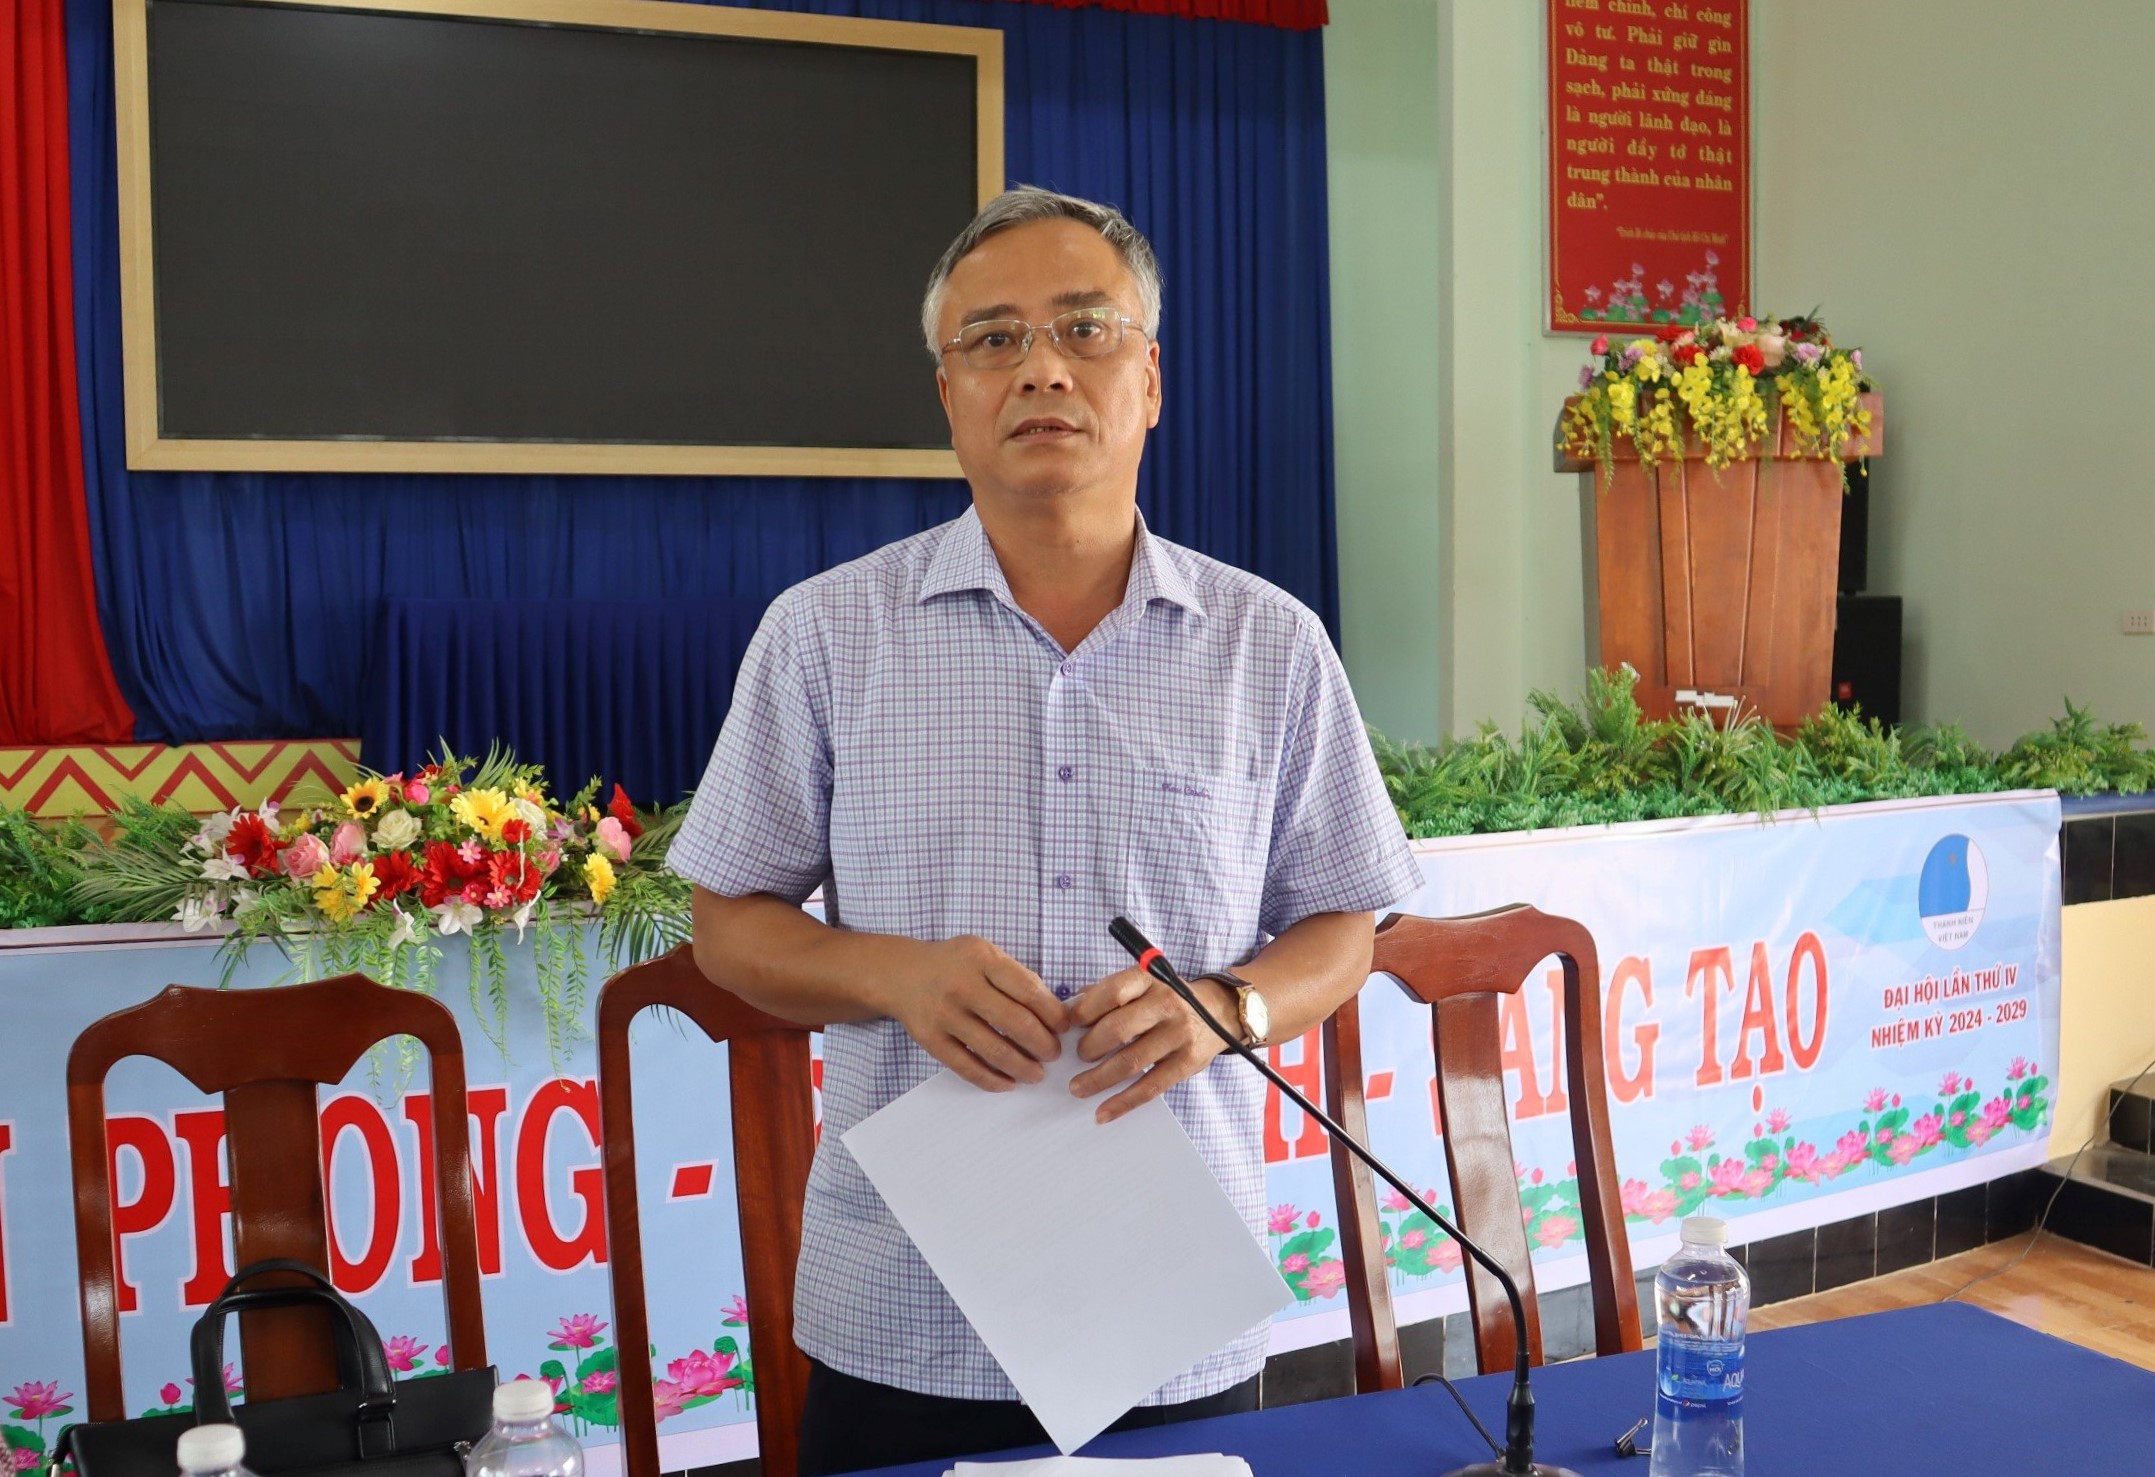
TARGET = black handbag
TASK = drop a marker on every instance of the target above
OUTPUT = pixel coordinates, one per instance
(372, 1426)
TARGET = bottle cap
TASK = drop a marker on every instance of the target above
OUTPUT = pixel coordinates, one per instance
(211, 1448)
(523, 1401)
(1705, 1230)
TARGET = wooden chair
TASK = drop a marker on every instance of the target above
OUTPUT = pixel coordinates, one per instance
(1458, 967)
(268, 1052)
(773, 1142)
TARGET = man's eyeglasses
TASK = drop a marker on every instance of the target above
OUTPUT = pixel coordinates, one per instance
(1003, 343)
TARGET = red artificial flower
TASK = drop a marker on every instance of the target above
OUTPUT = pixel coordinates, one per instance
(1671, 332)
(445, 873)
(1688, 354)
(397, 874)
(512, 877)
(621, 810)
(1751, 357)
(255, 845)
(516, 833)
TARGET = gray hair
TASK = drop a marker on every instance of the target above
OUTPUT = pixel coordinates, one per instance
(1015, 207)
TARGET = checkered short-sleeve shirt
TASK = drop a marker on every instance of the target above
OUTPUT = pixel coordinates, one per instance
(905, 737)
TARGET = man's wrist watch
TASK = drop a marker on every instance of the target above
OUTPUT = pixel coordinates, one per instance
(1250, 1010)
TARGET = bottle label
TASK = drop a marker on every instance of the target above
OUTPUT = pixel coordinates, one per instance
(1700, 1375)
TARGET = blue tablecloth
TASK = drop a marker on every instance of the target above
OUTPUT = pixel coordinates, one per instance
(1945, 1391)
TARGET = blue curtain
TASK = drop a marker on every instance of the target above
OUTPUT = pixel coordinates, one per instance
(247, 606)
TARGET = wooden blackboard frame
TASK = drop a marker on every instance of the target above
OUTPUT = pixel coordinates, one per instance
(148, 449)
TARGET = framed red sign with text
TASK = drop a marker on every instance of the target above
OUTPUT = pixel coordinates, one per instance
(1649, 162)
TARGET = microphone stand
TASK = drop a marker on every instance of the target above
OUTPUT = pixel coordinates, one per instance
(1518, 1458)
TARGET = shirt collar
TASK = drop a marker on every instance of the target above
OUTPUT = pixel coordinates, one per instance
(965, 560)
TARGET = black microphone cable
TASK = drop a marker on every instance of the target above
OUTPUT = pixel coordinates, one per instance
(1516, 1456)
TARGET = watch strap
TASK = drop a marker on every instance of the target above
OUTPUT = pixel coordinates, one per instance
(1238, 984)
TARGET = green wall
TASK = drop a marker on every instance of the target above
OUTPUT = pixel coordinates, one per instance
(1960, 184)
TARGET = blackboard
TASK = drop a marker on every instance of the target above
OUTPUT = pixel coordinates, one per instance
(387, 226)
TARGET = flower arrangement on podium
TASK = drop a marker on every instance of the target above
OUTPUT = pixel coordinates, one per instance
(373, 878)
(1729, 380)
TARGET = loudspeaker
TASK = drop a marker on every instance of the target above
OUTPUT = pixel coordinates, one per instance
(1867, 655)
(1856, 526)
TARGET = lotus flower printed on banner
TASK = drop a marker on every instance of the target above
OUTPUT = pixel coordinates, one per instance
(374, 878)
(588, 1394)
(25, 1448)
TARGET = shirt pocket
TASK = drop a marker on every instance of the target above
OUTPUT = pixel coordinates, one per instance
(1195, 856)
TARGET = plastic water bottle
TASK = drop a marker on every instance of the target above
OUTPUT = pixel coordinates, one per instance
(213, 1451)
(525, 1442)
(1702, 1298)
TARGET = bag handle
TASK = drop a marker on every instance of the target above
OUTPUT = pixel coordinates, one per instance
(356, 1333)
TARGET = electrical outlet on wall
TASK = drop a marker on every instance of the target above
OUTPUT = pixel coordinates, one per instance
(2137, 623)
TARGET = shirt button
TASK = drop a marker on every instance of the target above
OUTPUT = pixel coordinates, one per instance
(1062, 880)
(1067, 668)
(1065, 772)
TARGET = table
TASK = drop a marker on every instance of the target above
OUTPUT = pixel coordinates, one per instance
(1941, 1391)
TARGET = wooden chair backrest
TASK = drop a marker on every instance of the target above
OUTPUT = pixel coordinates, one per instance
(269, 1052)
(1459, 967)
(773, 1144)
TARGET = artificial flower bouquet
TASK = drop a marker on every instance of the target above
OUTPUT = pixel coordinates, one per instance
(1727, 380)
(371, 878)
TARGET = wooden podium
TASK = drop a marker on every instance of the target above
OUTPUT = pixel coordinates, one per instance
(1718, 588)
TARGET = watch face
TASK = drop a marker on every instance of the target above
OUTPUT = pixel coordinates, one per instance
(1256, 1015)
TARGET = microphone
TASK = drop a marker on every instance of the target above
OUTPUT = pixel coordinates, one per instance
(1518, 1457)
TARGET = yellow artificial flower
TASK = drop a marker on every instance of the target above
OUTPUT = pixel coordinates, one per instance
(485, 811)
(343, 895)
(364, 800)
(599, 876)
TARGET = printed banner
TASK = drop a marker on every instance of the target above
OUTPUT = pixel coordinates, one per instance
(1805, 1020)
(1649, 162)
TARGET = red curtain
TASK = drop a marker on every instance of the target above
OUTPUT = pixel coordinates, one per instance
(55, 684)
(1291, 15)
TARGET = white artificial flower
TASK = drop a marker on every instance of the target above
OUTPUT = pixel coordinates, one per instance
(210, 837)
(531, 815)
(223, 869)
(404, 932)
(398, 829)
(197, 911)
(522, 918)
(457, 916)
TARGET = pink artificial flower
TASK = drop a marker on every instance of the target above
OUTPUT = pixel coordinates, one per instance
(416, 792)
(1660, 1206)
(612, 838)
(1599, 345)
(304, 857)
(1393, 1200)
(1447, 1255)
(403, 1352)
(1777, 1121)
(1281, 1218)
(666, 1399)
(1413, 1240)
(1294, 1262)
(704, 1374)
(1875, 1100)
(1926, 1130)
(1586, 376)
(1556, 1230)
(170, 1394)
(1748, 325)
(580, 1332)
(599, 1383)
(1325, 1279)
(347, 844)
(33, 1400)
(1903, 1149)
(471, 852)
(1699, 1138)
(1997, 1113)
(549, 859)
(735, 1311)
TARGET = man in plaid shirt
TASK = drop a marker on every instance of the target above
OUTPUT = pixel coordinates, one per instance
(985, 741)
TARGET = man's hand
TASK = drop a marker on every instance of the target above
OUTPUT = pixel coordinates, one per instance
(1137, 1027)
(979, 1012)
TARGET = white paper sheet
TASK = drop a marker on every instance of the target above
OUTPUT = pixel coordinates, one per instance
(1096, 1262)
(1205, 1464)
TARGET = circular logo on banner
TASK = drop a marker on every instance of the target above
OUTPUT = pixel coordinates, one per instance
(1955, 886)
